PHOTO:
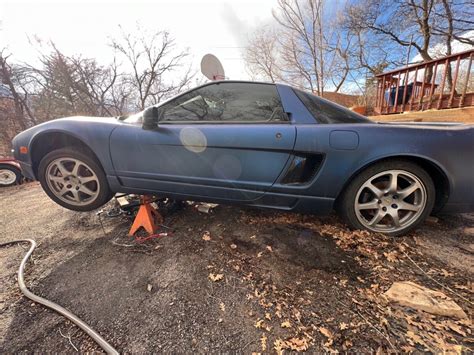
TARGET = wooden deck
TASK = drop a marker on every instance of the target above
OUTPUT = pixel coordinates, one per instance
(439, 84)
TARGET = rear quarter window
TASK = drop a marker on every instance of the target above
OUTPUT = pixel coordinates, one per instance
(325, 111)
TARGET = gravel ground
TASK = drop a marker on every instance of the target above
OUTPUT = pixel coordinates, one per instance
(233, 280)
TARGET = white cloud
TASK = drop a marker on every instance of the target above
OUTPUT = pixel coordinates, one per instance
(84, 27)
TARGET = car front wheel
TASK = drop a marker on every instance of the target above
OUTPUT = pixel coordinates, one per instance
(74, 180)
(391, 197)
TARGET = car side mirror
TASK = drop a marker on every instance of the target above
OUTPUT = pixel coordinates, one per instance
(151, 116)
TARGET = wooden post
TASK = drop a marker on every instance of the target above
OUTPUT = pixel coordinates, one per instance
(383, 95)
(453, 85)
(433, 84)
(463, 96)
(446, 63)
(395, 104)
(420, 101)
(405, 84)
(377, 95)
(413, 92)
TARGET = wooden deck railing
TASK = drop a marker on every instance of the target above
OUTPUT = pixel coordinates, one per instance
(438, 84)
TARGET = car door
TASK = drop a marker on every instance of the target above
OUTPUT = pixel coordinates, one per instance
(226, 140)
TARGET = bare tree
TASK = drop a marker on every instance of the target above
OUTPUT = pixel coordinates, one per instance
(10, 77)
(59, 85)
(451, 24)
(153, 59)
(302, 41)
(453, 19)
(261, 55)
(340, 44)
(94, 84)
(411, 23)
(304, 48)
(64, 85)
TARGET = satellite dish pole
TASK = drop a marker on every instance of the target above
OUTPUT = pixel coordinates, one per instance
(212, 68)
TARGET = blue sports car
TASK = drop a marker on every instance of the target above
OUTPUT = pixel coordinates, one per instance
(259, 144)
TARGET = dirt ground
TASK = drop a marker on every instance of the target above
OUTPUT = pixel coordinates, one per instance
(234, 280)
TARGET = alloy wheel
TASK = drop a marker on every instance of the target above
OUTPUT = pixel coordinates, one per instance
(72, 181)
(390, 201)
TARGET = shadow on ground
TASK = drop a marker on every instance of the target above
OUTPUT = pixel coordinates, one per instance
(107, 285)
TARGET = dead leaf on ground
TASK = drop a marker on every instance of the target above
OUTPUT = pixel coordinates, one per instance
(260, 324)
(297, 315)
(392, 256)
(263, 342)
(328, 334)
(269, 248)
(298, 344)
(446, 273)
(216, 277)
(295, 344)
(278, 346)
(286, 324)
(206, 236)
(414, 338)
(469, 287)
(222, 306)
(456, 328)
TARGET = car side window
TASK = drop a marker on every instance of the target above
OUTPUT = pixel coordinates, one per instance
(226, 103)
(328, 112)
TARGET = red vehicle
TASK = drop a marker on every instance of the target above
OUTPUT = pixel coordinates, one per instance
(10, 172)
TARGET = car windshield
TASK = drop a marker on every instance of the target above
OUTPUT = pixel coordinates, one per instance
(328, 112)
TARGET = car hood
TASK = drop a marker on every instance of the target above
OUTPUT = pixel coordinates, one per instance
(71, 122)
(87, 119)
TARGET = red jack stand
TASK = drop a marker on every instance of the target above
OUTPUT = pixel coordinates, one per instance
(146, 218)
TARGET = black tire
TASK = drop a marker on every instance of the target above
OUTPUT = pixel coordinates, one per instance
(346, 204)
(104, 194)
(14, 170)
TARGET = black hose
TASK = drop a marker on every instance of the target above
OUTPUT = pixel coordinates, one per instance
(109, 349)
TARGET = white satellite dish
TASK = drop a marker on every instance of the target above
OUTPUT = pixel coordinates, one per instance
(212, 68)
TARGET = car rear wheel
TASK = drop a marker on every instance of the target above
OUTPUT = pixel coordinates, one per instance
(9, 175)
(391, 197)
(74, 180)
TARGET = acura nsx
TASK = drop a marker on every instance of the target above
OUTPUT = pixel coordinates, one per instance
(258, 144)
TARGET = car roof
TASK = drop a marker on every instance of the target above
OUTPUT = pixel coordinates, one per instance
(236, 82)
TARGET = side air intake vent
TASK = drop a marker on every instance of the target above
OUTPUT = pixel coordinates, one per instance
(302, 168)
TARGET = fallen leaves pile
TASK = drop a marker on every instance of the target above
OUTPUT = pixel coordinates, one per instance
(287, 320)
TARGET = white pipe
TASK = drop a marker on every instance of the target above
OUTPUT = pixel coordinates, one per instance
(109, 349)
